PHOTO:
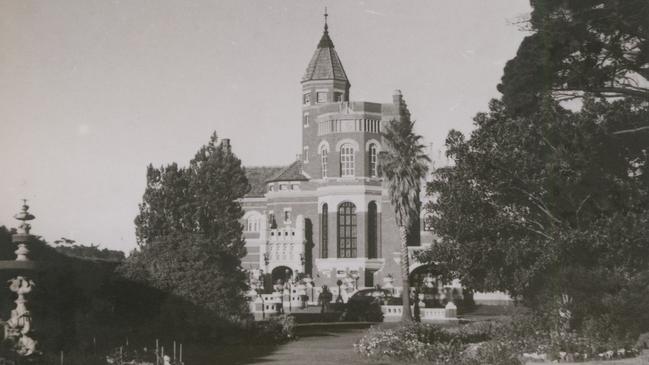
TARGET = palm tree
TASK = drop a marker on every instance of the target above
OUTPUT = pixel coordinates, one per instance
(403, 165)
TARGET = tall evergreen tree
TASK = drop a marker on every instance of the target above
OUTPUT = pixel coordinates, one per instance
(403, 165)
(580, 47)
(189, 233)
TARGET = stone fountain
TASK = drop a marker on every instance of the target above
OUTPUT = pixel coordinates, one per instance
(18, 328)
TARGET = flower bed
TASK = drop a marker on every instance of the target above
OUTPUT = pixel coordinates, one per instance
(511, 343)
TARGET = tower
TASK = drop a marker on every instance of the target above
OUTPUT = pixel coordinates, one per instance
(327, 212)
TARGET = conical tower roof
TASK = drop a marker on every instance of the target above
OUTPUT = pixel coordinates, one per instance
(325, 63)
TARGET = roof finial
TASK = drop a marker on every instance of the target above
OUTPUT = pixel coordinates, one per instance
(326, 27)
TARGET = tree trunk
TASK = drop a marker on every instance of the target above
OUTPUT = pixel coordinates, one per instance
(405, 271)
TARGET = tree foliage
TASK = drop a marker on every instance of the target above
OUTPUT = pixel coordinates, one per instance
(548, 203)
(189, 232)
(201, 198)
(578, 47)
(403, 165)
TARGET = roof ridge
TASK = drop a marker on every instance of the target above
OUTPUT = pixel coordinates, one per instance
(288, 173)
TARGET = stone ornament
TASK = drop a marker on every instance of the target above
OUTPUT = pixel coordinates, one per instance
(18, 328)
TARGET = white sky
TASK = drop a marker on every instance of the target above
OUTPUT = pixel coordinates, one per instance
(93, 91)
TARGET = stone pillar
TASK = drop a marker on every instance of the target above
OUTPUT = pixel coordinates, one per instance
(450, 310)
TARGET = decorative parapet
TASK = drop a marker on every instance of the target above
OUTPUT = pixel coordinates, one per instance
(393, 313)
(284, 247)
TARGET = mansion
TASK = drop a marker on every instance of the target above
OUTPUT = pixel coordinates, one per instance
(328, 214)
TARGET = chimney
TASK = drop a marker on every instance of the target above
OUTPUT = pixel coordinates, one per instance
(397, 97)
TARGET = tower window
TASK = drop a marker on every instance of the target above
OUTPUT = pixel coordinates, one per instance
(322, 97)
(338, 96)
(347, 230)
(306, 99)
(324, 229)
(306, 154)
(372, 160)
(287, 215)
(372, 231)
(346, 160)
(305, 119)
(323, 159)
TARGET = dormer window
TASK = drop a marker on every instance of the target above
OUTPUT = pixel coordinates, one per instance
(338, 97)
(306, 99)
(322, 97)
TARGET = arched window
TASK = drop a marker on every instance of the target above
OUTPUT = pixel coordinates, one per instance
(346, 160)
(372, 231)
(323, 157)
(253, 223)
(372, 160)
(347, 230)
(324, 231)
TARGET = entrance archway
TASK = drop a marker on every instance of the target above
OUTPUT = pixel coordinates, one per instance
(282, 273)
(418, 275)
(427, 281)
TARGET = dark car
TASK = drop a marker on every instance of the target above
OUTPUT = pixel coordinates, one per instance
(369, 295)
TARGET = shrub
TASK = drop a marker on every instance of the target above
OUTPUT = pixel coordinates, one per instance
(369, 311)
(475, 332)
(403, 344)
(429, 343)
(279, 329)
(494, 353)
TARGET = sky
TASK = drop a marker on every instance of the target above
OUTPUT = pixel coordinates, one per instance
(91, 92)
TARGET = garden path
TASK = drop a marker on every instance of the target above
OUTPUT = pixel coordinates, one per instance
(319, 345)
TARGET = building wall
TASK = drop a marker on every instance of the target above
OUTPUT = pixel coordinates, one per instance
(306, 198)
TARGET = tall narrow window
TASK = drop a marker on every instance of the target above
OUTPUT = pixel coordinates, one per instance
(323, 159)
(324, 232)
(372, 160)
(346, 160)
(347, 230)
(372, 231)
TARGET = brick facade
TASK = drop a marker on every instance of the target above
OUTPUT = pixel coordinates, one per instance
(284, 227)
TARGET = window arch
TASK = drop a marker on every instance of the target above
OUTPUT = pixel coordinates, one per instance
(372, 155)
(346, 160)
(253, 222)
(372, 230)
(324, 232)
(324, 152)
(346, 230)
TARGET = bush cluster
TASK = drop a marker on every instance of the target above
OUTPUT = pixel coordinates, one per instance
(279, 329)
(425, 343)
(363, 311)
